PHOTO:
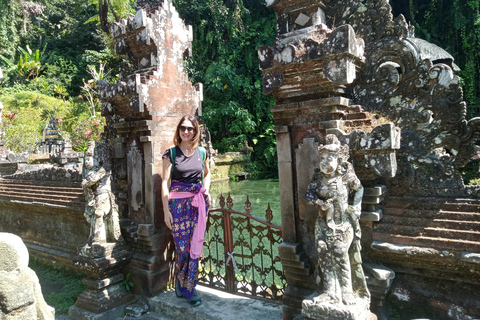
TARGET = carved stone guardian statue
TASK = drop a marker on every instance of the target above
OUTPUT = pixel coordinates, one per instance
(100, 211)
(103, 256)
(344, 293)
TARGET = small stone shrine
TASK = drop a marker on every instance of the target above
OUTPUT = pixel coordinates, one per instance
(142, 110)
(51, 138)
(349, 69)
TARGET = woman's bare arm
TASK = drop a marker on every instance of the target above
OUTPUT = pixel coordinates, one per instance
(166, 181)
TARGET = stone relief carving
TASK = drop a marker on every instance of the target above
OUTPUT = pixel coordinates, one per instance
(344, 293)
(413, 84)
(135, 176)
(100, 209)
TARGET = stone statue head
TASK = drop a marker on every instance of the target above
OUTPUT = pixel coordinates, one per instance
(332, 155)
(89, 155)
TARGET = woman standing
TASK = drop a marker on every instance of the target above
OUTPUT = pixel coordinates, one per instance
(185, 184)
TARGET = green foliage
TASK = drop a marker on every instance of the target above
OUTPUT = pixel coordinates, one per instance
(9, 21)
(89, 88)
(122, 9)
(69, 285)
(86, 128)
(225, 41)
(22, 137)
(34, 110)
(29, 63)
(126, 283)
(455, 26)
(471, 173)
(72, 45)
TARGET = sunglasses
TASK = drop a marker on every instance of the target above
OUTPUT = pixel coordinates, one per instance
(189, 129)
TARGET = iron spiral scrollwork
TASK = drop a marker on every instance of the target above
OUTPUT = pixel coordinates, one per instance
(241, 253)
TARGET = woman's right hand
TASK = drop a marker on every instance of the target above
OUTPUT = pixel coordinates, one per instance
(168, 219)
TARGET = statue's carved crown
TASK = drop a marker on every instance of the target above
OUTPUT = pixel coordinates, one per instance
(333, 145)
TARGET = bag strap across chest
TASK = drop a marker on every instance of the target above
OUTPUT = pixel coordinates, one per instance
(203, 153)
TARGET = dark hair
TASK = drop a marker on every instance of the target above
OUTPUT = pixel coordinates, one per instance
(196, 138)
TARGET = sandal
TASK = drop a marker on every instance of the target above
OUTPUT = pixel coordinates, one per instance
(195, 300)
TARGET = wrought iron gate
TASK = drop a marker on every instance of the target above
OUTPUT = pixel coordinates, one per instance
(241, 252)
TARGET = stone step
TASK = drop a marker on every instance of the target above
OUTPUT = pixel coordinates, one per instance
(42, 184)
(355, 108)
(433, 214)
(416, 231)
(216, 305)
(357, 116)
(26, 195)
(423, 241)
(37, 200)
(470, 206)
(459, 205)
(435, 223)
(362, 123)
(41, 191)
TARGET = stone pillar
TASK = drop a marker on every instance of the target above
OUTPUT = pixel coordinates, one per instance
(309, 71)
(307, 77)
(285, 174)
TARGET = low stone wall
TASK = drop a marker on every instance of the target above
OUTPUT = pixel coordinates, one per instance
(7, 168)
(47, 215)
(228, 164)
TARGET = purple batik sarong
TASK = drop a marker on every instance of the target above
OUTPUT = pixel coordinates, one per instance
(185, 218)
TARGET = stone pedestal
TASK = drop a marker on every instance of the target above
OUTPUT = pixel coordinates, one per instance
(358, 310)
(105, 298)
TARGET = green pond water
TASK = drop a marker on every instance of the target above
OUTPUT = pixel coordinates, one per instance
(260, 194)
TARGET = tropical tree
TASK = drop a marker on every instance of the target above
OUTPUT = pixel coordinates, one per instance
(226, 35)
(111, 10)
(9, 20)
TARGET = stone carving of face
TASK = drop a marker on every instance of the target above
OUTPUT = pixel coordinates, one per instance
(188, 131)
(328, 163)
(89, 162)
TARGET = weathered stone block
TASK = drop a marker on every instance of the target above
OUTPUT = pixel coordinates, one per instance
(13, 295)
(20, 292)
(376, 215)
(340, 70)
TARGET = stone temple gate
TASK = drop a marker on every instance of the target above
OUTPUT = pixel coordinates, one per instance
(348, 68)
(142, 110)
